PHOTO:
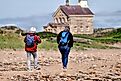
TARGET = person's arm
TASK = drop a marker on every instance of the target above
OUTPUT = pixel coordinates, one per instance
(38, 39)
(58, 37)
(71, 40)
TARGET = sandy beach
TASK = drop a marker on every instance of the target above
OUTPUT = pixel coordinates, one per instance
(85, 65)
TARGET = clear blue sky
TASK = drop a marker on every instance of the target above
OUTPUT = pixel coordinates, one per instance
(24, 8)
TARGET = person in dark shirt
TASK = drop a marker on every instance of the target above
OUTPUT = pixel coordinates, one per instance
(65, 42)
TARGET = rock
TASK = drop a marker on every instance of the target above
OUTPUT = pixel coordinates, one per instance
(107, 77)
(62, 75)
(116, 78)
(41, 80)
(87, 78)
(72, 77)
(96, 79)
(45, 76)
(12, 78)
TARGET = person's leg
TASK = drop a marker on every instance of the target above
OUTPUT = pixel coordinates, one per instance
(35, 56)
(29, 60)
(61, 49)
(64, 52)
(65, 57)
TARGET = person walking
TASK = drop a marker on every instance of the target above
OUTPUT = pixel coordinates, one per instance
(31, 41)
(65, 42)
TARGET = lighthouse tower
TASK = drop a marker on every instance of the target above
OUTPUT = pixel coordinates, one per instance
(83, 3)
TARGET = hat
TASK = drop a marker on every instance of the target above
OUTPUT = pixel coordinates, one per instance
(32, 30)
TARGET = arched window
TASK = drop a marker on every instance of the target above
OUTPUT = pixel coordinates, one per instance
(60, 20)
(87, 28)
(56, 20)
(63, 20)
(81, 28)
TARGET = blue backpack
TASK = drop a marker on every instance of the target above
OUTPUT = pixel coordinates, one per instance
(64, 39)
(30, 41)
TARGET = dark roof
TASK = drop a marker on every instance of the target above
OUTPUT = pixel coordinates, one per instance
(53, 25)
(75, 10)
(44, 26)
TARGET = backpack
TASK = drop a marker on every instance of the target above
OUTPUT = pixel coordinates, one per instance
(30, 41)
(64, 39)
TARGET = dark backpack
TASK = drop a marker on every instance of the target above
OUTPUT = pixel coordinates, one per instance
(30, 41)
(64, 39)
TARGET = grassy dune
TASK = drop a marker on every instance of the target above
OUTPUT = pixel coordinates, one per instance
(11, 41)
(14, 41)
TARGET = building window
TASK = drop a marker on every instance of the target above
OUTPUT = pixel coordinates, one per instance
(60, 20)
(87, 28)
(63, 20)
(56, 20)
(75, 26)
(81, 28)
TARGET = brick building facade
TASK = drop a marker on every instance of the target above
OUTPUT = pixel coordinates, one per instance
(79, 17)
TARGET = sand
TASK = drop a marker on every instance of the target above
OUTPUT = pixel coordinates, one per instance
(84, 65)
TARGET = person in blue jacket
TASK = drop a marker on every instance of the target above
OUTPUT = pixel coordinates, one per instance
(65, 42)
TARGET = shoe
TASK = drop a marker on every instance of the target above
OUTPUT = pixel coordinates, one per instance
(37, 68)
(29, 70)
(64, 69)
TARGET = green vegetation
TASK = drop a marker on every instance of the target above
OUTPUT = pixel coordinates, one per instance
(11, 41)
(46, 35)
(95, 45)
(96, 40)
(99, 39)
(83, 36)
(48, 45)
(110, 37)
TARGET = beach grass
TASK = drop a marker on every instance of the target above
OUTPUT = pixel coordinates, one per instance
(11, 41)
(15, 41)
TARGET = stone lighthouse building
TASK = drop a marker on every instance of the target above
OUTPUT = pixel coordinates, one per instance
(78, 17)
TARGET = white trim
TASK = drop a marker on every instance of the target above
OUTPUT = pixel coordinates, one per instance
(56, 12)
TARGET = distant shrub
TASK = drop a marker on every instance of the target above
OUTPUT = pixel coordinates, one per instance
(46, 35)
(18, 31)
(83, 36)
(107, 40)
(1, 31)
(48, 45)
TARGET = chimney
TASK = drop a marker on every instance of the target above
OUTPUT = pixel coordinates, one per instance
(67, 2)
(83, 3)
